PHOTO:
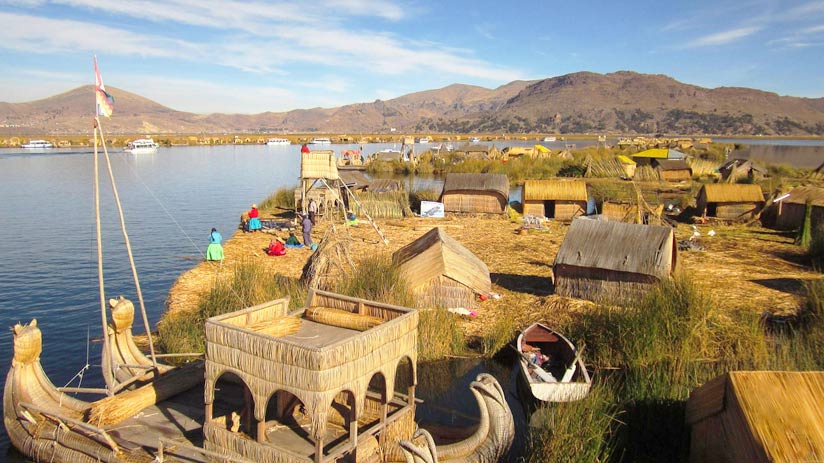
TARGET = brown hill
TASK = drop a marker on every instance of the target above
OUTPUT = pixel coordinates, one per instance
(583, 102)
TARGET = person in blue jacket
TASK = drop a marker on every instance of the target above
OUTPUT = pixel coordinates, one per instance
(215, 250)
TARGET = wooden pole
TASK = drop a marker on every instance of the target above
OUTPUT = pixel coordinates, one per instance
(106, 365)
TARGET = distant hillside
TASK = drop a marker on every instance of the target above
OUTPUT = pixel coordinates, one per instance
(583, 102)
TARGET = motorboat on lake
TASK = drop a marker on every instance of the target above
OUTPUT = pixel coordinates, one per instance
(321, 141)
(141, 146)
(278, 141)
(551, 366)
(37, 144)
(474, 140)
(549, 139)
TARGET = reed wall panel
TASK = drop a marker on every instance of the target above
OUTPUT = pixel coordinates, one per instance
(600, 284)
(474, 202)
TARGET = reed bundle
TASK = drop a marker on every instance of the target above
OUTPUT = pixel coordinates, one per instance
(278, 327)
(608, 168)
(342, 318)
(114, 409)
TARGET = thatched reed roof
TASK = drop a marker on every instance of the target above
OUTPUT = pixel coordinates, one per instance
(555, 189)
(760, 416)
(435, 254)
(672, 164)
(802, 194)
(660, 153)
(732, 193)
(354, 179)
(740, 163)
(617, 246)
(319, 164)
(467, 148)
(498, 183)
(383, 185)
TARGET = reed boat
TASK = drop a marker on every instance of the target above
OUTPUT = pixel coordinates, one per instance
(321, 141)
(551, 366)
(332, 381)
(278, 141)
(351, 160)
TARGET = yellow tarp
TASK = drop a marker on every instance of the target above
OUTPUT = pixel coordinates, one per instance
(541, 149)
(655, 153)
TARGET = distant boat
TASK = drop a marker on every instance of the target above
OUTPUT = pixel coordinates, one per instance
(37, 145)
(474, 140)
(423, 140)
(550, 138)
(560, 375)
(278, 141)
(321, 141)
(141, 146)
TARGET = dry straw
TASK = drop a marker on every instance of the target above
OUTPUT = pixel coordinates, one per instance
(277, 327)
(342, 318)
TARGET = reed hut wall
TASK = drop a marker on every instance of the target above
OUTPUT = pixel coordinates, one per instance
(758, 416)
(729, 201)
(441, 271)
(555, 199)
(477, 193)
(791, 210)
(319, 164)
(316, 363)
(671, 170)
(602, 259)
(619, 212)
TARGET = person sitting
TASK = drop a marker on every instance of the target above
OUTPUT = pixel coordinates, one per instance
(351, 219)
(215, 251)
(276, 248)
(292, 241)
(254, 221)
(244, 221)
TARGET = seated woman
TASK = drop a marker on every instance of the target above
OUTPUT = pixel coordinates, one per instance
(254, 221)
(276, 248)
(215, 250)
(351, 219)
(292, 241)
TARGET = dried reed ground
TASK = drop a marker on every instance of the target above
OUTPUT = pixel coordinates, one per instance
(743, 268)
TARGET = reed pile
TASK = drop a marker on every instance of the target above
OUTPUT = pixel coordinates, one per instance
(341, 318)
(278, 327)
(116, 408)
(608, 168)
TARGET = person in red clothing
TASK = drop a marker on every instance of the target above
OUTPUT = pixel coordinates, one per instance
(254, 221)
(304, 149)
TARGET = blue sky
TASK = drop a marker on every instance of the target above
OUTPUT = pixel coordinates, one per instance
(209, 56)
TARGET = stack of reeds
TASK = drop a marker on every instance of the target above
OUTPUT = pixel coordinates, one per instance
(278, 327)
(342, 318)
(605, 168)
(116, 408)
(329, 263)
(388, 205)
(646, 174)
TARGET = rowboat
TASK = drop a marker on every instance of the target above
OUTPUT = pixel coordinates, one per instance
(551, 366)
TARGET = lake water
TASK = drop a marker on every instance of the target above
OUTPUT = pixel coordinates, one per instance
(171, 200)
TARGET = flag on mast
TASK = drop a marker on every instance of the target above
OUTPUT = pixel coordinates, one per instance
(105, 102)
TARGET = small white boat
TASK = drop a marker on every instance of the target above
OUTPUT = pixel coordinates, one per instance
(278, 141)
(423, 140)
(474, 140)
(37, 144)
(141, 146)
(321, 141)
(550, 138)
(551, 365)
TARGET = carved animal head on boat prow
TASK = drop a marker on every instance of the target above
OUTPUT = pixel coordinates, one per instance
(122, 313)
(28, 343)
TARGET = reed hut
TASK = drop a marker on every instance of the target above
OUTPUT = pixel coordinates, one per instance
(475, 151)
(555, 198)
(737, 170)
(790, 211)
(441, 272)
(627, 165)
(729, 201)
(601, 260)
(484, 193)
(328, 367)
(758, 417)
(673, 170)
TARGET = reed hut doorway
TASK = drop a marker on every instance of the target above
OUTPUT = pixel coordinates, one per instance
(549, 209)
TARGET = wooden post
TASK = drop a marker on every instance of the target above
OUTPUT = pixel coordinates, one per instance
(384, 414)
(209, 408)
(411, 394)
(353, 423)
(261, 431)
(319, 450)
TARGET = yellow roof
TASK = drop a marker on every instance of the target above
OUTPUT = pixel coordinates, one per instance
(541, 148)
(623, 159)
(655, 153)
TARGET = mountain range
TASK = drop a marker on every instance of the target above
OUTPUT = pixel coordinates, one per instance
(622, 102)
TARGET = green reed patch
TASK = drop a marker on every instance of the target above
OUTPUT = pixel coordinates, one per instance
(283, 198)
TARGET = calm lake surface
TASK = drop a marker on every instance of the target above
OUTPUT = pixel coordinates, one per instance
(171, 200)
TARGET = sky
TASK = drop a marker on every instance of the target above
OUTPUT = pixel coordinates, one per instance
(248, 57)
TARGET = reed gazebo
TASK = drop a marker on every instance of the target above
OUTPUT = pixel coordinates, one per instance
(317, 393)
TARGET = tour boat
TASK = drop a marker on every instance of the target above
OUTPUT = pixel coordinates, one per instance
(278, 141)
(551, 366)
(549, 139)
(321, 141)
(474, 140)
(141, 146)
(37, 144)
